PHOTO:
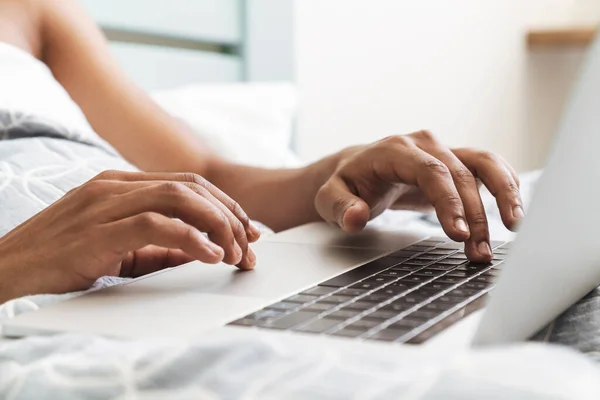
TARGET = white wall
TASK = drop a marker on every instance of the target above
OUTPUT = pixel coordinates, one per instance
(372, 68)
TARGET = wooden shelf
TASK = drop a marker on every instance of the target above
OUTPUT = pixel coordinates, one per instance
(567, 37)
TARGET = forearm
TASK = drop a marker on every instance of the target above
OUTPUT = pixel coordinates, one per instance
(281, 199)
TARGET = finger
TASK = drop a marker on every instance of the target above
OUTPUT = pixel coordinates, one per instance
(477, 246)
(500, 182)
(139, 231)
(176, 200)
(435, 181)
(151, 259)
(252, 231)
(338, 205)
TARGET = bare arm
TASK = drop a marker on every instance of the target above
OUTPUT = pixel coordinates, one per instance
(77, 53)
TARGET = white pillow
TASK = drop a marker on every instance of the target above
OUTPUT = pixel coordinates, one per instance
(247, 123)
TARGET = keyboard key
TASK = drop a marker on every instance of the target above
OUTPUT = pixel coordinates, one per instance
(319, 291)
(483, 279)
(389, 334)
(416, 262)
(459, 255)
(335, 299)
(406, 268)
(351, 333)
(407, 324)
(465, 293)
(477, 285)
(398, 306)
(450, 299)
(284, 306)
(429, 273)
(415, 279)
(492, 272)
(433, 287)
(428, 256)
(292, 320)
(440, 267)
(464, 274)
(265, 315)
(376, 298)
(502, 257)
(344, 314)
(300, 298)
(410, 301)
(424, 314)
(320, 307)
(364, 325)
(496, 244)
(474, 267)
(380, 279)
(452, 261)
(438, 306)
(359, 305)
(351, 292)
(382, 314)
(362, 272)
(393, 273)
(366, 286)
(319, 325)
(451, 279)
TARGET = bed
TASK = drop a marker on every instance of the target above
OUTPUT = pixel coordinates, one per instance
(226, 68)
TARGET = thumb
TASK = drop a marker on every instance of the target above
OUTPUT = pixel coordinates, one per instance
(336, 204)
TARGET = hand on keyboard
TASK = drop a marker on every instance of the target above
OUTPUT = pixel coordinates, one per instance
(414, 172)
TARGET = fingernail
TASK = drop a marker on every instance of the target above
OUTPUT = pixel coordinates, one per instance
(237, 250)
(461, 225)
(485, 249)
(518, 212)
(251, 256)
(213, 248)
(254, 229)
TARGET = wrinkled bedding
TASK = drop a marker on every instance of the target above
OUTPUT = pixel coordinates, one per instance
(40, 161)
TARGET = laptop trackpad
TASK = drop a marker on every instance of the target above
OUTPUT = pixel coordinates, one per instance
(283, 269)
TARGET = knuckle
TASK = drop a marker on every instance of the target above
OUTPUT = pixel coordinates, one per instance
(238, 229)
(487, 156)
(452, 201)
(435, 166)
(93, 188)
(239, 212)
(147, 221)
(195, 179)
(394, 140)
(108, 175)
(174, 188)
(512, 189)
(221, 222)
(478, 219)
(463, 176)
(425, 135)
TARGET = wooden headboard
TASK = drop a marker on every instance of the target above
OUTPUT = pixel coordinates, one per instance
(169, 43)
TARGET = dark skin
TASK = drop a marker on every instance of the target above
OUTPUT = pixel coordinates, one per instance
(126, 234)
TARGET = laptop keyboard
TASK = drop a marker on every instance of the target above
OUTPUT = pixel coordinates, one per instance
(406, 297)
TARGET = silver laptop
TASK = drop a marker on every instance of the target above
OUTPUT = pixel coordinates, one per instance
(377, 286)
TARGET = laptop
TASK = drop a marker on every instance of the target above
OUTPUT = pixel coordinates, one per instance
(385, 287)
